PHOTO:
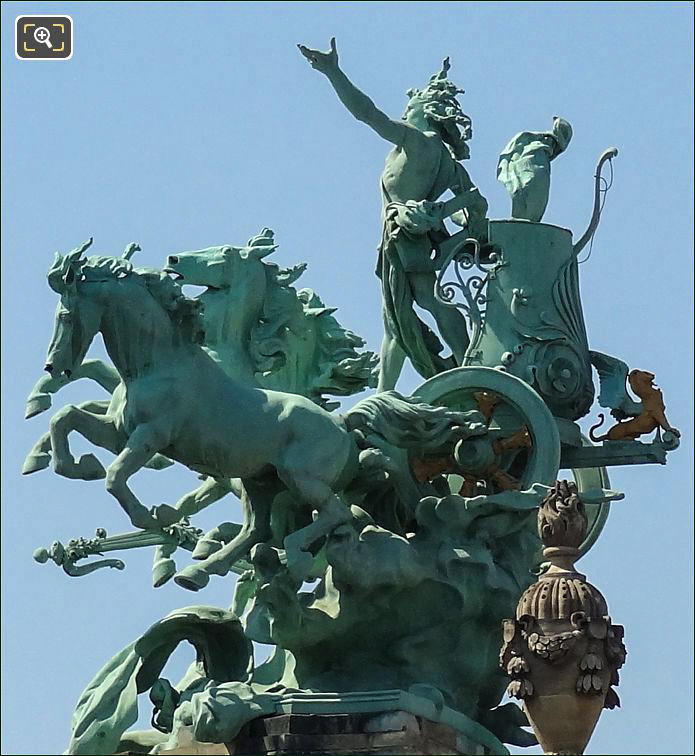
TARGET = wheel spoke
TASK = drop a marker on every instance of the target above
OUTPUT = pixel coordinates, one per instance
(505, 481)
(519, 440)
(430, 467)
(486, 401)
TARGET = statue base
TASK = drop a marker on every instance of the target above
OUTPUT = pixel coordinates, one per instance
(378, 722)
(392, 732)
(342, 724)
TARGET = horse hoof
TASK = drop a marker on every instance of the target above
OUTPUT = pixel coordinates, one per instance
(36, 405)
(162, 572)
(36, 462)
(206, 547)
(166, 515)
(159, 462)
(145, 521)
(90, 468)
(192, 578)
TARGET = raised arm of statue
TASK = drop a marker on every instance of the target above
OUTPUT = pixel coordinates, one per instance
(354, 100)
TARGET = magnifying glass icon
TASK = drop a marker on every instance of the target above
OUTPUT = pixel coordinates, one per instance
(43, 36)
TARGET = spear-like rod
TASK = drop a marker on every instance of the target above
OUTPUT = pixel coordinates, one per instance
(181, 534)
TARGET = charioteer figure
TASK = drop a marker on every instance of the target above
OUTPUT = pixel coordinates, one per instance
(429, 141)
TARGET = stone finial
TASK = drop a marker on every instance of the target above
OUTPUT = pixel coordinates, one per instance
(561, 517)
(562, 650)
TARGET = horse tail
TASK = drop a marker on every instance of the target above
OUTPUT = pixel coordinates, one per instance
(594, 427)
(408, 423)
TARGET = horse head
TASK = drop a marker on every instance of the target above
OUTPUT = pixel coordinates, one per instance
(236, 281)
(338, 365)
(260, 328)
(76, 322)
(129, 306)
(224, 267)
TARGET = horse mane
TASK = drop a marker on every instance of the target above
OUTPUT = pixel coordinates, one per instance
(97, 266)
(342, 369)
(185, 313)
(281, 310)
(336, 366)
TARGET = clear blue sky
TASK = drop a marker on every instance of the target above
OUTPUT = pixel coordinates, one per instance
(183, 125)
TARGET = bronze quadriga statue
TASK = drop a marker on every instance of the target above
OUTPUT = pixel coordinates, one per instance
(381, 546)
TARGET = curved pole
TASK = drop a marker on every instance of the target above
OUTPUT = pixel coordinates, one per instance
(596, 215)
(70, 568)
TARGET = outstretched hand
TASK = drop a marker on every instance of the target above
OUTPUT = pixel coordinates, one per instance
(321, 61)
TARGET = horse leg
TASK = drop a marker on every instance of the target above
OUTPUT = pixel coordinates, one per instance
(215, 539)
(39, 458)
(141, 445)
(39, 399)
(105, 375)
(163, 566)
(210, 491)
(256, 500)
(99, 429)
(332, 512)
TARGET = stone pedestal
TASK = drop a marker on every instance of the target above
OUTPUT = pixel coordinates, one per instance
(392, 732)
(343, 724)
(562, 650)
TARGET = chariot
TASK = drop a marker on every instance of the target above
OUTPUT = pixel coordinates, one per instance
(528, 367)
(527, 371)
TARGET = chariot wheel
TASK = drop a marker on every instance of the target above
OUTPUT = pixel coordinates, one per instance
(522, 446)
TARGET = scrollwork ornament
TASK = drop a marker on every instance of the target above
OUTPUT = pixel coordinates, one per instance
(462, 261)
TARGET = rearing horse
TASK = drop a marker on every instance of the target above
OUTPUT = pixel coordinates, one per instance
(257, 326)
(178, 401)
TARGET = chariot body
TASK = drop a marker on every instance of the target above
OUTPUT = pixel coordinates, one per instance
(528, 367)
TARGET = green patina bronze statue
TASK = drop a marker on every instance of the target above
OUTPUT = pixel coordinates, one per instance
(524, 168)
(394, 536)
(179, 401)
(429, 141)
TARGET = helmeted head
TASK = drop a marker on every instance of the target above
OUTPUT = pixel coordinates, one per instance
(562, 133)
(437, 103)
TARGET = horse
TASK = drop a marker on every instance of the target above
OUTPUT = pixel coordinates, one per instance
(262, 330)
(257, 326)
(178, 401)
